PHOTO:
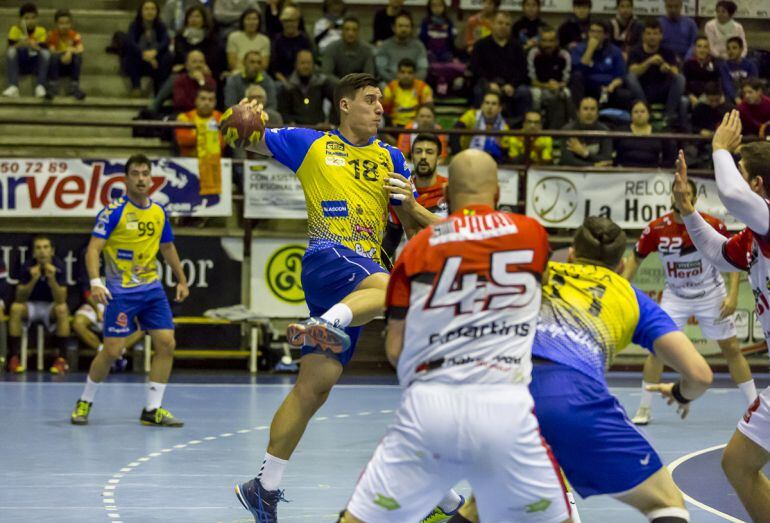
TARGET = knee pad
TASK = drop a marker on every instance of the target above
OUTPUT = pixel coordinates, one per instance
(669, 515)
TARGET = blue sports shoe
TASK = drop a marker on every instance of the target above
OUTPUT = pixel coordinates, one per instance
(260, 502)
(317, 332)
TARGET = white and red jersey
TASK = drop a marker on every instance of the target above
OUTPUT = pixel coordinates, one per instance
(469, 290)
(688, 274)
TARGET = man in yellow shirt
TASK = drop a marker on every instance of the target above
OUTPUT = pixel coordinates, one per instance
(205, 141)
(27, 52)
(541, 149)
(405, 94)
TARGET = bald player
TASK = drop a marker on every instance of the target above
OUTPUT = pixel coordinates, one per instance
(462, 302)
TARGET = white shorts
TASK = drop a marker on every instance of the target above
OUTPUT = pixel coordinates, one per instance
(40, 312)
(89, 312)
(485, 434)
(705, 310)
(755, 424)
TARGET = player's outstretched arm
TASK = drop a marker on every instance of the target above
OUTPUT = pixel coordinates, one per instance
(394, 340)
(735, 193)
(168, 250)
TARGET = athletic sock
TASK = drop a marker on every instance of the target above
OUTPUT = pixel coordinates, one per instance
(271, 472)
(669, 515)
(749, 390)
(646, 400)
(155, 394)
(90, 391)
(450, 502)
(339, 315)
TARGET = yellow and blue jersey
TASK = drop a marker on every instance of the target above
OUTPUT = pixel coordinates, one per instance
(133, 236)
(590, 313)
(343, 186)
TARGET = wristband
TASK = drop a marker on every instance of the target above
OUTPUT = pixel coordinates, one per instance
(97, 282)
(676, 392)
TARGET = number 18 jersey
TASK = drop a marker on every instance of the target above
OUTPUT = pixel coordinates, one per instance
(469, 291)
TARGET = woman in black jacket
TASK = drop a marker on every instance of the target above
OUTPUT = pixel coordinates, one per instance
(146, 51)
(648, 152)
(198, 35)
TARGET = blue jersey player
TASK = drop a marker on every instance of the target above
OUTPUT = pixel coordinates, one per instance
(129, 232)
(349, 177)
(589, 314)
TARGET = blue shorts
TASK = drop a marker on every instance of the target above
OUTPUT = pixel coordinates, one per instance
(597, 446)
(150, 307)
(328, 276)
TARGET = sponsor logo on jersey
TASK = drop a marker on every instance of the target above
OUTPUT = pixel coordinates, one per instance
(125, 254)
(335, 161)
(480, 331)
(386, 502)
(335, 208)
(122, 320)
(335, 149)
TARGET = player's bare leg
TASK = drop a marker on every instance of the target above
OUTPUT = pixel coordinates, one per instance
(653, 369)
(60, 314)
(82, 327)
(100, 368)
(16, 316)
(658, 498)
(740, 372)
(742, 462)
(163, 343)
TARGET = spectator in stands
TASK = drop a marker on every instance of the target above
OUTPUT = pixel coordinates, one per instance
(437, 34)
(205, 141)
(251, 73)
(755, 106)
(384, 19)
(653, 73)
(41, 296)
(541, 147)
(498, 63)
(700, 70)
(247, 38)
(575, 29)
(187, 84)
(707, 115)
(66, 48)
(587, 151)
(643, 152)
(549, 71)
(147, 48)
(735, 69)
(722, 27)
(348, 54)
(227, 13)
(402, 96)
(258, 93)
(488, 118)
(626, 27)
(679, 32)
(27, 52)
(302, 101)
(598, 70)
(198, 34)
(174, 14)
(273, 10)
(527, 28)
(401, 45)
(328, 28)
(287, 44)
(480, 25)
(426, 122)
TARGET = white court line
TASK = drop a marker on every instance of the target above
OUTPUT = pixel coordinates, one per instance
(674, 464)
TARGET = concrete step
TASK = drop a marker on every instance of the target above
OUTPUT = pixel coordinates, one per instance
(77, 147)
(73, 4)
(66, 112)
(103, 105)
(69, 152)
(87, 21)
(61, 131)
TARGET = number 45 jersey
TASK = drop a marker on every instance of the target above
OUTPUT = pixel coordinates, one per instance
(133, 235)
(469, 291)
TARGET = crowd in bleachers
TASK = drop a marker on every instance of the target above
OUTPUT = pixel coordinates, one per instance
(514, 70)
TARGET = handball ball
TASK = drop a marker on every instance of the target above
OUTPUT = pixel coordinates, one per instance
(242, 126)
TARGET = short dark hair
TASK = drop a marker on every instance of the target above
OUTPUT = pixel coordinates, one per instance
(407, 62)
(728, 5)
(38, 237)
(737, 39)
(755, 83)
(208, 25)
(137, 159)
(545, 28)
(351, 18)
(701, 37)
(246, 13)
(61, 13)
(497, 3)
(601, 241)
(652, 23)
(29, 7)
(617, 2)
(605, 27)
(712, 89)
(581, 3)
(206, 89)
(403, 14)
(493, 93)
(429, 106)
(756, 160)
(428, 137)
(350, 84)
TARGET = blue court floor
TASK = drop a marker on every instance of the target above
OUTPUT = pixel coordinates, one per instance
(116, 470)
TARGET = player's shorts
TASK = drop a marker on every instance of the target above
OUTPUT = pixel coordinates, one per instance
(597, 446)
(89, 312)
(755, 424)
(150, 307)
(485, 434)
(705, 310)
(328, 276)
(40, 312)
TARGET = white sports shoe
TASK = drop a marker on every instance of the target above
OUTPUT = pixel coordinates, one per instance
(11, 92)
(642, 417)
(39, 91)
